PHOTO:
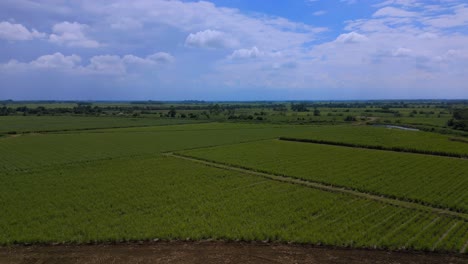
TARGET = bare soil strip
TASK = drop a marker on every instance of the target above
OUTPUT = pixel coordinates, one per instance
(214, 252)
(329, 188)
(464, 248)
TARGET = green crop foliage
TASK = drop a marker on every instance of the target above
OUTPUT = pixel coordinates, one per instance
(21, 124)
(437, 181)
(385, 137)
(113, 184)
(167, 198)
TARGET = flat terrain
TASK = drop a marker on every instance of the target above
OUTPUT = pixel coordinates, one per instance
(114, 182)
(214, 252)
(21, 124)
(406, 176)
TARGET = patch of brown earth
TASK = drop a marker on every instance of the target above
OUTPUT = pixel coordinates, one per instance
(214, 252)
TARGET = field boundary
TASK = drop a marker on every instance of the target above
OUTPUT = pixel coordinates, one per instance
(216, 251)
(376, 147)
(323, 187)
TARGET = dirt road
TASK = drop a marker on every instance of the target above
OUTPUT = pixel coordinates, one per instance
(213, 252)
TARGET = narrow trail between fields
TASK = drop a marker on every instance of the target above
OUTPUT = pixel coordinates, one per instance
(324, 187)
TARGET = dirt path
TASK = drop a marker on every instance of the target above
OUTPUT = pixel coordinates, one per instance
(213, 252)
(329, 188)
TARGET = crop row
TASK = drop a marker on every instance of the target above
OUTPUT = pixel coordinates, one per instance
(26, 152)
(436, 181)
(168, 198)
(34, 151)
(376, 147)
(381, 137)
(21, 124)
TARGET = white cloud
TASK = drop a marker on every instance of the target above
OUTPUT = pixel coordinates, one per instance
(428, 36)
(352, 37)
(101, 64)
(254, 52)
(56, 61)
(161, 58)
(73, 35)
(405, 3)
(9, 31)
(210, 39)
(107, 64)
(402, 52)
(319, 13)
(116, 65)
(393, 12)
(126, 23)
(404, 45)
(153, 59)
(208, 25)
(459, 17)
(349, 2)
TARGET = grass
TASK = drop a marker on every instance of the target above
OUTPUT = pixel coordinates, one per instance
(386, 138)
(113, 184)
(432, 180)
(21, 124)
(166, 198)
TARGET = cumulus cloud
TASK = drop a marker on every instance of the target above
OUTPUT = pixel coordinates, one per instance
(12, 32)
(352, 37)
(161, 58)
(53, 61)
(158, 58)
(100, 64)
(393, 12)
(394, 39)
(402, 52)
(73, 35)
(107, 64)
(458, 17)
(120, 65)
(319, 13)
(404, 3)
(210, 39)
(56, 60)
(126, 23)
(254, 52)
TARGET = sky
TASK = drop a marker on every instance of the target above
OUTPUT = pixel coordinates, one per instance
(233, 49)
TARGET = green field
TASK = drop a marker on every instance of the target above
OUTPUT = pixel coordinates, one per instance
(389, 138)
(109, 179)
(405, 176)
(21, 124)
(166, 198)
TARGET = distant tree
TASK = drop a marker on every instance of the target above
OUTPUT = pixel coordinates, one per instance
(459, 120)
(301, 107)
(350, 118)
(316, 112)
(215, 109)
(172, 112)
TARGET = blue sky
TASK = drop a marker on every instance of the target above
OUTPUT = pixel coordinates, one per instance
(233, 49)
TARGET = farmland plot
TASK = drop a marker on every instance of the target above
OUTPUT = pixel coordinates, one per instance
(19, 124)
(168, 198)
(438, 181)
(387, 138)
